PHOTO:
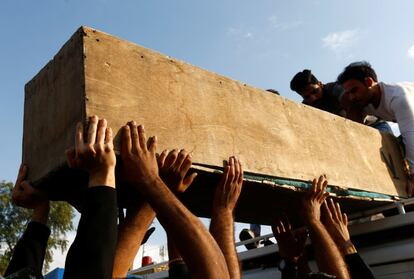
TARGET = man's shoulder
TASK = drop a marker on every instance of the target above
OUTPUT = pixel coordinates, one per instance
(395, 91)
(398, 86)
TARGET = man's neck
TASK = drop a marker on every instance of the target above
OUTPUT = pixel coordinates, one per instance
(376, 95)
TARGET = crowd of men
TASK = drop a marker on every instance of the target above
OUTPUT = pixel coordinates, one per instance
(105, 247)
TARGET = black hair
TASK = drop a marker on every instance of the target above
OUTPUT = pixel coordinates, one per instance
(301, 80)
(359, 71)
(273, 91)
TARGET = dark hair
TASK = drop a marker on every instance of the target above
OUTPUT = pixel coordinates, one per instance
(273, 91)
(359, 71)
(301, 80)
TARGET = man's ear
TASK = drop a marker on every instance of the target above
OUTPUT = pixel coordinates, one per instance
(369, 82)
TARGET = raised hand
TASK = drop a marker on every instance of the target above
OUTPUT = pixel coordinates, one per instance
(24, 194)
(336, 224)
(95, 154)
(173, 168)
(229, 188)
(222, 221)
(314, 198)
(139, 160)
(291, 245)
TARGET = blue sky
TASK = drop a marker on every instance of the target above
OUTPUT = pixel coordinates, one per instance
(261, 43)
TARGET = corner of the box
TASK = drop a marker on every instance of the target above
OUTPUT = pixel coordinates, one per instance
(83, 29)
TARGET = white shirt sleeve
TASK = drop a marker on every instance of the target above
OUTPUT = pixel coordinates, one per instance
(403, 106)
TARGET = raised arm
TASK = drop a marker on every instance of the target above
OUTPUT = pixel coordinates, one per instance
(30, 250)
(336, 223)
(222, 220)
(327, 254)
(92, 253)
(291, 249)
(197, 247)
(131, 232)
(173, 168)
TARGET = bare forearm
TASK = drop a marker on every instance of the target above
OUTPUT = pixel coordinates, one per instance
(327, 254)
(173, 253)
(222, 229)
(130, 235)
(186, 229)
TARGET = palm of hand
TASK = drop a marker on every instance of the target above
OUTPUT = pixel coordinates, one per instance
(229, 188)
(288, 246)
(337, 230)
(314, 198)
(95, 153)
(335, 221)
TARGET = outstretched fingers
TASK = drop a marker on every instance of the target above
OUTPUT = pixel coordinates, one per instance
(142, 138)
(321, 193)
(345, 219)
(185, 167)
(153, 144)
(92, 130)
(79, 141)
(277, 228)
(326, 210)
(109, 141)
(101, 132)
(135, 146)
(225, 175)
(339, 213)
(333, 210)
(314, 188)
(241, 173)
(232, 170)
(161, 158)
(171, 158)
(126, 143)
(285, 221)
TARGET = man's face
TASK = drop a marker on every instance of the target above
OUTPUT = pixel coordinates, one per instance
(356, 93)
(312, 94)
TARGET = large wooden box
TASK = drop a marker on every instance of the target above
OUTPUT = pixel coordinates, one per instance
(281, 143)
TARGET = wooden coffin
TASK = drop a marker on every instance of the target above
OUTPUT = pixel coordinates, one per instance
(281, 143)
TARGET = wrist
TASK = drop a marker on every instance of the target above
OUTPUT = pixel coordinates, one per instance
(347, 248)
(105, 178)
(222, 211)
(312, 220)
(152, 180)
(41, 212)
